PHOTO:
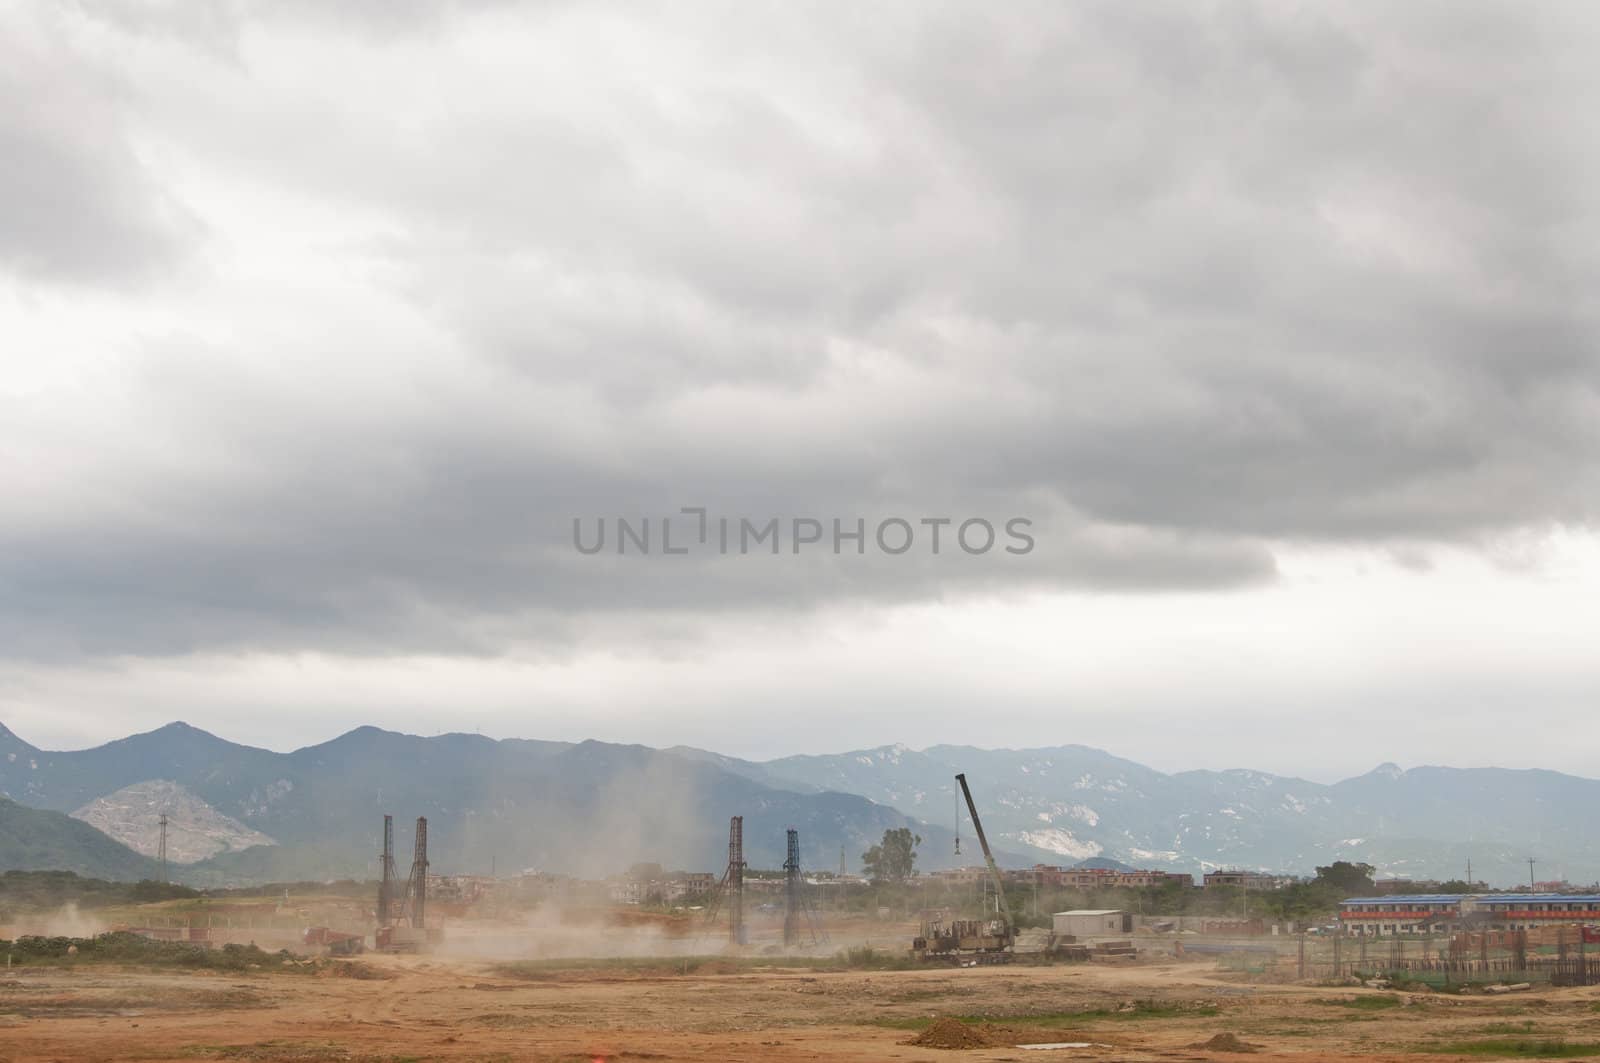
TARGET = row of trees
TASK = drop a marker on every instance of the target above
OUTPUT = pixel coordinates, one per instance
(36, 891)
(892, 863)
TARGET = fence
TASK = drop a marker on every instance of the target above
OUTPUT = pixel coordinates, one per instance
(1466, 957)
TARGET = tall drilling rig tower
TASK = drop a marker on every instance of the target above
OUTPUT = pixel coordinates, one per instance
(799, 914)
(730, 891)
(791, 890)
(417, 887)
(386, 875)
(403, 907)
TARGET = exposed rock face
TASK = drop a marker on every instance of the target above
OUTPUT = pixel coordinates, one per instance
(195, 830)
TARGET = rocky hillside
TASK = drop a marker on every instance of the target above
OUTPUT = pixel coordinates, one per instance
(195, 830)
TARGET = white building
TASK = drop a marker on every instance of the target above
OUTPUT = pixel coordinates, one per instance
(1092, 922)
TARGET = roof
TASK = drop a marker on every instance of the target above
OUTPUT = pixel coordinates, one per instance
(1409, 898)
(1093, 911)
(1481, 898)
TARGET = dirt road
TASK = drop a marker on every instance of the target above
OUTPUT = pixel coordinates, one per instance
(464, 1010)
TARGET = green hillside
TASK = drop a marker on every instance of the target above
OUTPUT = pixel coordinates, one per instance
(33, 839)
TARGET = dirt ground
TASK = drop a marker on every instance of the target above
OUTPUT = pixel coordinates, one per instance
(415, 1008)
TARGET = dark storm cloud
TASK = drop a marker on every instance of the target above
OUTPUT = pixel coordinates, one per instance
(1177, 286)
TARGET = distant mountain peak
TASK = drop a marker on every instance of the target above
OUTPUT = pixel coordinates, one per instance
(181, 727)
(368, 731)
(9, 739)
(1387, 770)
(178, 731)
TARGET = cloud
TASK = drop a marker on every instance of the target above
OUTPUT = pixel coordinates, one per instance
(79, 205)
(1181, 290)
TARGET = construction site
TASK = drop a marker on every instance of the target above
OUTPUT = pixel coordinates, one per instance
(759, 964)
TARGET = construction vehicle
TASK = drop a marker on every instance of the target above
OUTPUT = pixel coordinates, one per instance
(967, 941)
(401, 938)
(336, 942)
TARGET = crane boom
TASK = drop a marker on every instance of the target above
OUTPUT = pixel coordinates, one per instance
(988, 857)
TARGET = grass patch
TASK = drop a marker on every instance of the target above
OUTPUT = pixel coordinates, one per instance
(1525, 1047)
(1374, 1002)
(126, 948)
(1140, 1010)
(159, 999)
(868, 958)
(667, 966)
(651, 966)
(290, 1052)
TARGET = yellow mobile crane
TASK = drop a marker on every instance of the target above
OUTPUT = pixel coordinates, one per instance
(970, 940)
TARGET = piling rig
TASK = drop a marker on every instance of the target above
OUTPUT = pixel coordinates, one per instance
(730, 891)
(800, 918)
(970, 940)
(402, 921)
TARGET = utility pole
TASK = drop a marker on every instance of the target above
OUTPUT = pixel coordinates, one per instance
(1531, 887)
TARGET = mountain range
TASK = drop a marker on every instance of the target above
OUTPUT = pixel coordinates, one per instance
(587, 808)
(1071, 803)
(592, 808)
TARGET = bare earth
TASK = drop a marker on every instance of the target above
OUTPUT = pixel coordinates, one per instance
(451, 1009)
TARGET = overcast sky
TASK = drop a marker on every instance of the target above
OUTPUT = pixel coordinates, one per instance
(321, 324)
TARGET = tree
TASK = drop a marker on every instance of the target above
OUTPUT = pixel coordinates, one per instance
(892, 859)
(1343, 875)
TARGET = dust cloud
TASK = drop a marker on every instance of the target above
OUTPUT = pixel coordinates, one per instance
(66, 921)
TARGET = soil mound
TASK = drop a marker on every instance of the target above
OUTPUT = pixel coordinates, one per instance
(1226, 1042)
(948, 1033)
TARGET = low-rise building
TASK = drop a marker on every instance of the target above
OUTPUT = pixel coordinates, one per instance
(460, 889)
(1092, 878)
(1092, 922)
(1438, 913)
(665, 887)
(1250, 880)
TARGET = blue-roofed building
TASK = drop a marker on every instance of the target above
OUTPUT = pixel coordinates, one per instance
(1441, 913)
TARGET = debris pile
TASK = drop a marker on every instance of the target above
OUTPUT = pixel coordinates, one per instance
(948, 1033)
(1225, 1042)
